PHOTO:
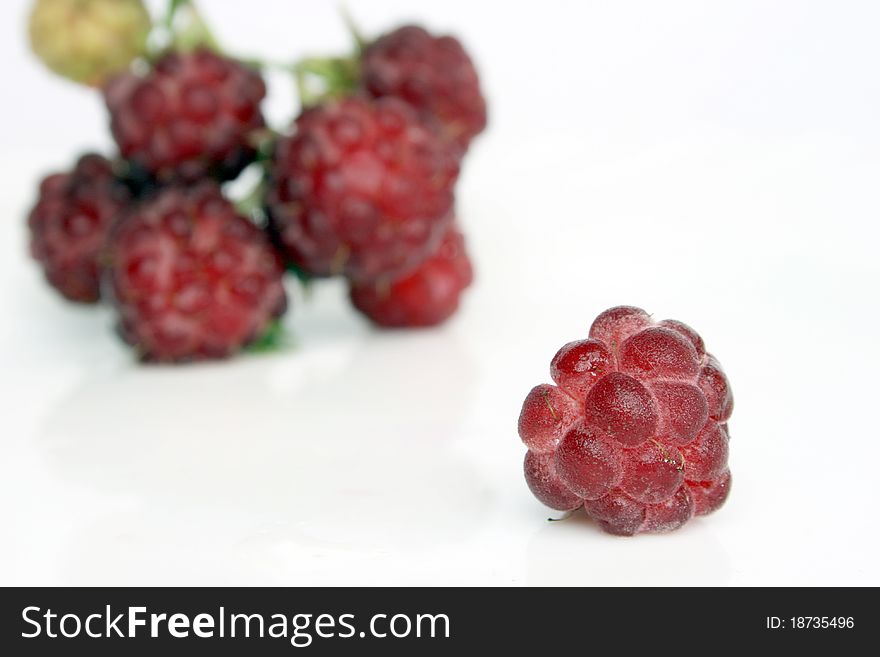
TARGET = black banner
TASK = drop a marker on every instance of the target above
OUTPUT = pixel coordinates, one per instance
(278, 621)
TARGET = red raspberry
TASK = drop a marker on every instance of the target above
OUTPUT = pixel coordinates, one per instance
(194, 114)
(191, 278)
(426, 297)
(70, 222)
(361, 188)
(432, 74)
(634, 429)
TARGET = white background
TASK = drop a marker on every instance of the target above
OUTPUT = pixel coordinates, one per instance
(714, 162)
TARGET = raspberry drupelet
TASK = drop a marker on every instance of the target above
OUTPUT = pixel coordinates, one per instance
(361, 188)
(193, 115)
(190, 278)
(635, 429)
(70, 222)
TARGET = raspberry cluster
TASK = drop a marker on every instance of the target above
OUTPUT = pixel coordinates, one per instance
(189, 277)
(635, 429)
(362, 185)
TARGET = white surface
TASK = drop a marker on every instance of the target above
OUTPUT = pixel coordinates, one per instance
(716, 163)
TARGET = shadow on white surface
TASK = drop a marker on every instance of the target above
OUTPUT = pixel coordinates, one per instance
(575, 552)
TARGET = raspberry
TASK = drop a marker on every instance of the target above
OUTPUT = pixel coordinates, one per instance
(426, 297)
(361, 188)
(70, 222)
(433, 74)
(192, 279)
(88, 42)
(194, 115)
(635, 427)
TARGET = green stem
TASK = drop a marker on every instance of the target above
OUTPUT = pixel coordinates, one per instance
(359, 39)
(266, 64)
(337, 77)
(171, 12)
(194, 32)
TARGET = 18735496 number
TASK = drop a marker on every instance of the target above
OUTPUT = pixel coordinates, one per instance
(810, 622)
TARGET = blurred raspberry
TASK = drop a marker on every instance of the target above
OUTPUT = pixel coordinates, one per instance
(634, 429)
(427, 296)
(361, 188)
(433, 74)
(193, 115)
(191, 278)
(89, 40)
(70, 222)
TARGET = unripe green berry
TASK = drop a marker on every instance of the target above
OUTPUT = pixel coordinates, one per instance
(89, 40)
